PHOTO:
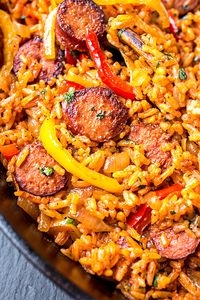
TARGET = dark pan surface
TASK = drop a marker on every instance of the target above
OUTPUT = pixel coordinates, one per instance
(45, 255)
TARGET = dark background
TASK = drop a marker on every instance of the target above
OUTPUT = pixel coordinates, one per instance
(20, 280)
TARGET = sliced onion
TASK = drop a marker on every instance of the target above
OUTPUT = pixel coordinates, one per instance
(44, 222)
(116, 162)
(195, 277)
(29, 207)
(91, 222)
(21, 30)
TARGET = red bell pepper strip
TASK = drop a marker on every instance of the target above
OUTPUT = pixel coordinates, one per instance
(8, 151)
(82, 56)
(142, 217)
(172, 26)
(70, 58)
(66, 84)
(175, 188)
(107, 76)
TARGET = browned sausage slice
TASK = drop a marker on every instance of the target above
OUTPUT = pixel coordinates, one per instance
(152, 137)
(33, 50)
(95, 112)
(36, 174)
(180, 246)
(185, 6)
(168, 3)
(73, 17)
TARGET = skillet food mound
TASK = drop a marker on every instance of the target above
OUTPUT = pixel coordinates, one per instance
(100, 135)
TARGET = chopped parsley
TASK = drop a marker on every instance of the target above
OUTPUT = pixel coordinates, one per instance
(47, 171)
(70, 221)
(128, 286)
(68, 97)
(169, 56)
(93, 108)
(23, 17)
(158, 64)
(43, 92)
(100, 115)
(140, 187)
(155, 281)
(185, 6)
(172, 212)
(120, 32)
(182, 74)
(196, 59)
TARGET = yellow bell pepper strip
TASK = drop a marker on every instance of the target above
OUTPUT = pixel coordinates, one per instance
(49, 35)
(154, 4)
(73, 77)
(8, 34)
(65, 159)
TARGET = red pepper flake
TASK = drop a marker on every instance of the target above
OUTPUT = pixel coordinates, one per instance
(106, 74)
(173, 26)
(66, 84)
(8, 151)
(70, 57)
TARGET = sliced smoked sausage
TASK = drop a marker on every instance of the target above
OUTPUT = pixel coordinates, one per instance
(73, 17)
(152, 137)
(185, 6)
(36, 174)
(33, 51)
(95, 112)
(180, 244)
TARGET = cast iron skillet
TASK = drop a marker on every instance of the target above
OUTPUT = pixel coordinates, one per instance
(45, 255)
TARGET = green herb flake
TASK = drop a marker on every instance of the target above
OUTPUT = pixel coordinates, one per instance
(158, 64)
(155, 281)
(140, 187)
(68, 97)
(47, 171)
(120, 32)
(73, 53)
(185, 6)
(128, 286)
(169, 56)
(43, 92)
(93, 108)
(172, 212)
(196, 59)
(100, 115)
(182, 74)
(70, 221)
(23, 17)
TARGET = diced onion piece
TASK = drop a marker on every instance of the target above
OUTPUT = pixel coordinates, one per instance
(193, 107)
(91, 222)
(116, 162)
(138, 76)
(154, 4)
(29, 207)
(44, 222)
(21, 30)
(49, 35)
